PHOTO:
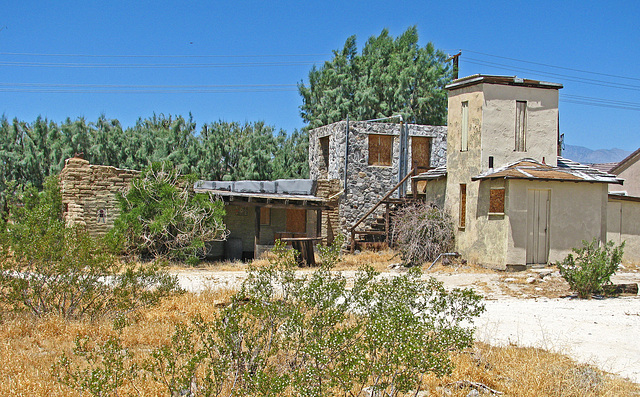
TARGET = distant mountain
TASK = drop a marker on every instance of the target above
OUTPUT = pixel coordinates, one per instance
(585, 155)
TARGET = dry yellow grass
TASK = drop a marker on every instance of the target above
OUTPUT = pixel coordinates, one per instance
(30, 346)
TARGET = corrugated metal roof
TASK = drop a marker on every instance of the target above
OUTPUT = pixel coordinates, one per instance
(502, 80)
(604, 167)
(567, 170)
(433, 173)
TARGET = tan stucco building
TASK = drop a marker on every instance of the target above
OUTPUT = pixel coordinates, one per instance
(513, 199)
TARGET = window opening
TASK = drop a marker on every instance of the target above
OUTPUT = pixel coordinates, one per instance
(465, 126)
(496, 200)
(463, 205)
(420, 152)
(380, 149)
(324, 150)
(521, 126)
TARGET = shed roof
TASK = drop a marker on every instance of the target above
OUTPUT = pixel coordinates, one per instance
(434, 173)
(625, 163)
(567, 170)
(604, 167)
(502, 80)
(281, 193)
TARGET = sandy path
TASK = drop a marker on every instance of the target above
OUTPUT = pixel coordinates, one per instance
(605, 332)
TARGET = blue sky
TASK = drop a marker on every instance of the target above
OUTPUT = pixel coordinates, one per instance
(255, 52)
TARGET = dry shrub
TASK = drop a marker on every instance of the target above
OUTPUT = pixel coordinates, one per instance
(32, 345)
(421, 232)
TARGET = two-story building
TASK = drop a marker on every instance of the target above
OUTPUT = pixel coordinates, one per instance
(513, 198)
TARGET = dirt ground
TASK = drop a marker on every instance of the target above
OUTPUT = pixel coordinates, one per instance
(531, 308)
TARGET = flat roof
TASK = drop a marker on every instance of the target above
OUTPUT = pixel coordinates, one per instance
(502, 80)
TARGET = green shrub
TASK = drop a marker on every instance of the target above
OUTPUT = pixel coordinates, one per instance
(592, 267)
(48, 268)
(162, 216)
(289, 334)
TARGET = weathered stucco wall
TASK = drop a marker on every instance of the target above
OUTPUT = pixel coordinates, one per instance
(462, 165)
(499, 120)
(367, 184)
(89, 194)
(578, 211)
(631, 174)
(623, 225)
(434, 190)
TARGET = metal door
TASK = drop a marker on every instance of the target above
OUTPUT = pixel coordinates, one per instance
(538, 204)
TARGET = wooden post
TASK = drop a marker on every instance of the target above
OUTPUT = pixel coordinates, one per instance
(257, 236)
(386, 223)
(318, 223)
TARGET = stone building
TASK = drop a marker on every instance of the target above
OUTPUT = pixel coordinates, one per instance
(90, 194)
(368, 159)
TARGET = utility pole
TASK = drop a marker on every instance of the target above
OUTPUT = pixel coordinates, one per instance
(455, 64)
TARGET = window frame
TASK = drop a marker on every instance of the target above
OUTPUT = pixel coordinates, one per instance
(377, 155)
(462, 221)
(324, 143)
(464, 127)
(497, 193)
(520, 138)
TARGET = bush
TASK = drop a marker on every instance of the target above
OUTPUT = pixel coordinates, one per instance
(421, 232)
(288, 334)
(162, 216)
(592, 267)
(47, 268)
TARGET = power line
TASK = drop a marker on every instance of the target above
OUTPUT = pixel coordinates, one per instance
(161, 56)
(145, 86)
(151, 65)
(555, 66)
(564, 76)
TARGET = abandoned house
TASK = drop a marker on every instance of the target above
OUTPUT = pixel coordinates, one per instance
(513, 198)
(496, 167)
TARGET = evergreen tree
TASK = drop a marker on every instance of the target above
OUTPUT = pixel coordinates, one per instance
(391, 76)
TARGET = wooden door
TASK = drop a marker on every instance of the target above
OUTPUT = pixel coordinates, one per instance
(538, 205)
(420, 152)
(296, 221)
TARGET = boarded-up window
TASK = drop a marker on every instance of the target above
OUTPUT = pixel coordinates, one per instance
(496, 201)
(324, 151)
(521, 126)
(380, 149)
(296, 221)
(420, 152)
(463, 205)
(464, 144)
(265, 216)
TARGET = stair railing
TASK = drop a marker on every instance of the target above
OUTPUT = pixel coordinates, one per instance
(353, 228)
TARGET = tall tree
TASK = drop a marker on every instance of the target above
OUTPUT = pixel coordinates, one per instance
(391, 76)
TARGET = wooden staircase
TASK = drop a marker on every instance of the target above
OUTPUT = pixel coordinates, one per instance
(376, 233)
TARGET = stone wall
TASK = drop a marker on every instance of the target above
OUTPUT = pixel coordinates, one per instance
(366, 184)
(329, 189)
(89, 194)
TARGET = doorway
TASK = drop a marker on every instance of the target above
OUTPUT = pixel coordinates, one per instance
(538, 205)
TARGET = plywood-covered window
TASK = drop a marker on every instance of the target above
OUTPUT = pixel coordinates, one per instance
(324, 151)
(496, 200)
(265, 216)
(380, 149)
(420, 152)
(296, 221)
(464, 144)
(521, 126)
(463, 205)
